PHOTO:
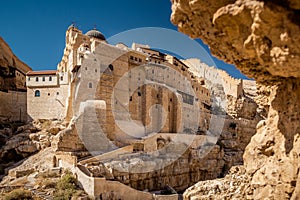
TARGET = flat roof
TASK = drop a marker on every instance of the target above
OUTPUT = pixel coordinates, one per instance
(46, 72)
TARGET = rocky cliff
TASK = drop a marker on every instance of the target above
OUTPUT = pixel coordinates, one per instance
(262, 39)
(9, 59)
(9, 63)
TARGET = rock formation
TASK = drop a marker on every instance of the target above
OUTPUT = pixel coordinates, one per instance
(8, 58)
(21, 142)
(9, 63)
(262, 39)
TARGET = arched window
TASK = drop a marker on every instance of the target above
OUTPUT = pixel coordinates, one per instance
(37, 93)
(61, 78)
(90, 85)
(50, 78)
(36, 79)
(111, 67)
(43, 78)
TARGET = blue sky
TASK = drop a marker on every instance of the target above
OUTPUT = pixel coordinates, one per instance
(35, 29)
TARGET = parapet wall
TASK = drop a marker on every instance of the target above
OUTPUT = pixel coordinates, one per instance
(13, 106)
(105, 189)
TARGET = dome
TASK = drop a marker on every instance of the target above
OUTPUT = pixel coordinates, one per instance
(96, 34)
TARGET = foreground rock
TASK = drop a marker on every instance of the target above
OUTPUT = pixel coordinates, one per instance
(24, 141)
(234, 186)
(261, 39)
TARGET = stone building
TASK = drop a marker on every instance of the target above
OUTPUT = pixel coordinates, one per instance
(47, 92)
(148, 89)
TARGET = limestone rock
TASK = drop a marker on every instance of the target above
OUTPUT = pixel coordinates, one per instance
(26, 140)
(262, 39)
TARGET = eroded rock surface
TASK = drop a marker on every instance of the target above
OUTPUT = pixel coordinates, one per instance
(262, 39)
(23, 141)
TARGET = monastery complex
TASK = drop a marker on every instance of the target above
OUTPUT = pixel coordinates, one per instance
(137, 119)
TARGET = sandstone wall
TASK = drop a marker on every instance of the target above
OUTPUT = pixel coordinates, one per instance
(231, 86)
(13, 106)
(51, 104)
(105, 189)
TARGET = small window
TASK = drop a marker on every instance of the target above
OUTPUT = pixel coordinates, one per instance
(139, 94)
(96, 70)
(43, 78)
(28, 78)
(37, 93)
(36, 79)
(140, 60)
(130, 98)
(131, 57)
(61, 78)
(90, 85)
(57, 93)
(50, 78)
(111, 67)
(48, 94)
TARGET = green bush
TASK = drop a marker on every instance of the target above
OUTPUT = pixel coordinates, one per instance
(65, 187)
(18, 194)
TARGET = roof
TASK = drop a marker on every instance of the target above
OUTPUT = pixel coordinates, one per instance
(47, 72)
(96, 34)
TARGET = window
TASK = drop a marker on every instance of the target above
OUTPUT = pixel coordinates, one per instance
(36, 79)
(96, 70)
(37, 93)
(61, 78)
(43, 78)
(111, 67)
(131, 57)
(28, 78)
(140, 60)
(50, 78)
(130, 98)
(57, 93)
(139, 94)
(90, 85)
(48, 94)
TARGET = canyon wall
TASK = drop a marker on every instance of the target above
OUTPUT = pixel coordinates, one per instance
(262, 39)
(12, 85)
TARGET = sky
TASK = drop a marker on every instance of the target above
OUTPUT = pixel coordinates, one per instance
(35, 29)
